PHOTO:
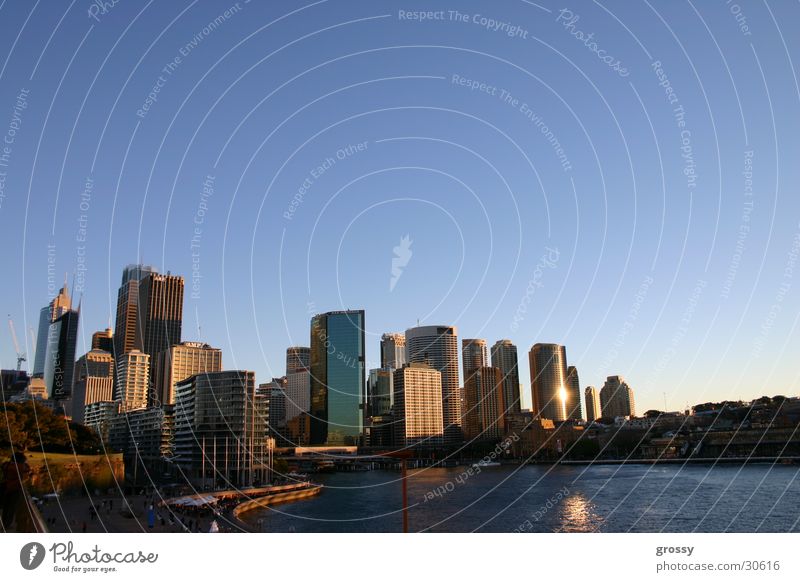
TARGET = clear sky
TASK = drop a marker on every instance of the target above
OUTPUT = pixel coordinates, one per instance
(618, 177)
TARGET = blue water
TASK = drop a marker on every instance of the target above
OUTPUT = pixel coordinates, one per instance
(600, 498)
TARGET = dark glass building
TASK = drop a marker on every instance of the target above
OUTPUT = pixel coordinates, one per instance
(62, 338)
(337, 378)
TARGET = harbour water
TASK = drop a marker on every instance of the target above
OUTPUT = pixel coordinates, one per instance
(540, 498)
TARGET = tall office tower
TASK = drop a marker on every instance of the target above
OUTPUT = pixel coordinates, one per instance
(484, 417)
(504, 357)
(219, 427)
(592, 397)
(103, 340)
(298, 393)
(418, 406)
(297, 358)
(437, 345)
(94, 381)
(41, 342)
(474, 355)
(551, 398)
(380, 392)
(126, 335)
(178, 363)
(60, 304)
(573, 386)
(616, 398)
(160, 314)
(133, 380)
(337, 377)
(275, 393)
(393, 350)
(59, 365)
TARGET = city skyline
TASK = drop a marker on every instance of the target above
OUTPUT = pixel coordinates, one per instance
(600, 233)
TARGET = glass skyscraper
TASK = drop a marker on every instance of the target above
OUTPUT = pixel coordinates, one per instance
(337, 377)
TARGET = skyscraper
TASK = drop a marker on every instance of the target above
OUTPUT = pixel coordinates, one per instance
(393, 350)
(126, 335)
(275, 394)
(551, 398)
(474, 355)
(484, 414)
(573, 387)
(337, 377)
(437, 345)
(60, 304)
(160, 313)
(133, 380)
(297, 358)
(94, 381)
(298, 392)
(62, 339)
(179, 362)
(616, 398)
(220, 416)
(103, 340)
(418, 406)
(504, 357)
(593, 410)
(380, 391)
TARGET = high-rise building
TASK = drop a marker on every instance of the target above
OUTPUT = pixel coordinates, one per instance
(160, 313)
(103, 340)
(418, 418)
(474, 355)
(179, 362)
(60, 304)
(100, 416)
(573, 386)
(133, 380)
(275, 394)
(616, 398)
(504, 357)
(41, 342)
(337, 377)
(220, 427)
(393, 350)
(126, 335)
(94, 381)
(484, 413)
(593, 410)
(298, 392)
(380, 392)
(62, 340)
(297, 358)
(437, 345)
(551, 398)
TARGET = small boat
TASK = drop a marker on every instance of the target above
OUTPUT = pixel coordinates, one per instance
(485, 463)
(297, 476)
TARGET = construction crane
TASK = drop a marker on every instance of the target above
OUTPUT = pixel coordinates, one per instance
(20, 355)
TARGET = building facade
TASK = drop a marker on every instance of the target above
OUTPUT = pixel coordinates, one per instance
(573, 386)
(298, 392)
(616, 398)
(504, 357)
(59, 366)
(592, 403)
(418, 418)
(94, 381)
(484, 417)
(133, 380)
(180, 362)
(298, 358)
(550, 397)
(337, 378)
(220, 428)
(437, 345)
(127, 336)
(393, 350)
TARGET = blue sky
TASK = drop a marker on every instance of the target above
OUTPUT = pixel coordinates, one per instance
(551, 190)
